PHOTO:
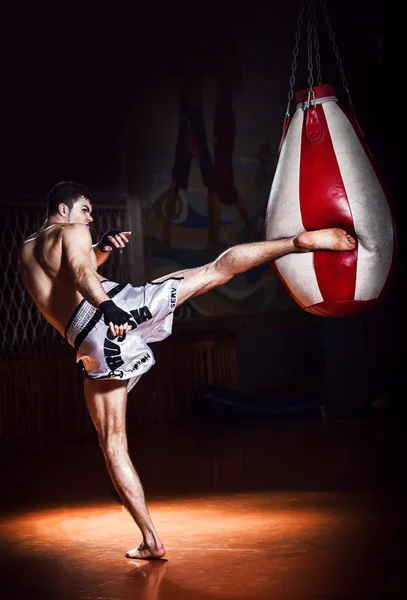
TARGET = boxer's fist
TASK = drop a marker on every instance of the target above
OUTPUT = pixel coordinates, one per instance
(116, 318)
(113, 239)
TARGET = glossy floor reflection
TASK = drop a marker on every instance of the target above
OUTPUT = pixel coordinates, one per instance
(247, 511)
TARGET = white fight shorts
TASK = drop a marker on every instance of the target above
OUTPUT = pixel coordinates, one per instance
(104, 356)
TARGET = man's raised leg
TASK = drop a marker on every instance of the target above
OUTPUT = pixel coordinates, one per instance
(243, 257)
(107, 402)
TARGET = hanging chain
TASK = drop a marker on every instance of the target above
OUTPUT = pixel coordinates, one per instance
(316, 43)
(336, 51)
(294, 62)
(311, 93)
(309, 31)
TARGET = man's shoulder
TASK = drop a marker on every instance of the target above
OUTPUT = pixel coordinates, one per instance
(31, 238)
(76, 235)
(75, 230)
(75, 227)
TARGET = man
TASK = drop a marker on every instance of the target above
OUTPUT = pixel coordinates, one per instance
(111, 324)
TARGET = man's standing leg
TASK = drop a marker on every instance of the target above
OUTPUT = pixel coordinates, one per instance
(107, 402)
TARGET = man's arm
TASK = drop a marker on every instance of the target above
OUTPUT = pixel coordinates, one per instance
(77, 248)
(101, 257)
(110, 240)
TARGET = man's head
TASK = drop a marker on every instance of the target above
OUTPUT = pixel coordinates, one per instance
(70, 201)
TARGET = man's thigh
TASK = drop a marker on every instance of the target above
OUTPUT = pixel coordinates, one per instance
(107, 401)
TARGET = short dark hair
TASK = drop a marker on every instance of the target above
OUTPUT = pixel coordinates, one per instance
(66, 192)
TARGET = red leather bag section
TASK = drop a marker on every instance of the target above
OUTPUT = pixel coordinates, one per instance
(320, 91)
(313, 126)
(324, 203)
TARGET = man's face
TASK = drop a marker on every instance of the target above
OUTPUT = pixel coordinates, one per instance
(81, 212)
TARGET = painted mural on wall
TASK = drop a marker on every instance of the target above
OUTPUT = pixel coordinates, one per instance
(213, 164)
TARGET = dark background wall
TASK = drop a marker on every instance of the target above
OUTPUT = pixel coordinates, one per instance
(70, 79)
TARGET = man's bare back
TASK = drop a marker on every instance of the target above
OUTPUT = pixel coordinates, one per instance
(46, 273)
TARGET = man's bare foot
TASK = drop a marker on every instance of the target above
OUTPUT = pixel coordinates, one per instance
(145, 552)
(325, 239)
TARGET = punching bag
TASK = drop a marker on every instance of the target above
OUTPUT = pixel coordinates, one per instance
(325, 177)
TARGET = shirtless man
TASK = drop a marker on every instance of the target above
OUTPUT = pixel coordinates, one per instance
(110, 324)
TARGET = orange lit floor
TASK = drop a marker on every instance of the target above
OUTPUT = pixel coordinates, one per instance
(276, 510)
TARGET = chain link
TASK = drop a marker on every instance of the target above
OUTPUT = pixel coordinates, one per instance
(309, 31)
(336, 51)
(316, 43)
(294, 61)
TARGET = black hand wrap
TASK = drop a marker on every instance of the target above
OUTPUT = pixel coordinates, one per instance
(104, 241)
(113, 314)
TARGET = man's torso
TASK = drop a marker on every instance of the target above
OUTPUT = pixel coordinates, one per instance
(46, 276)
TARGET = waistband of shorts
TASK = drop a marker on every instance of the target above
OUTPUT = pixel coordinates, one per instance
(85, 316)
